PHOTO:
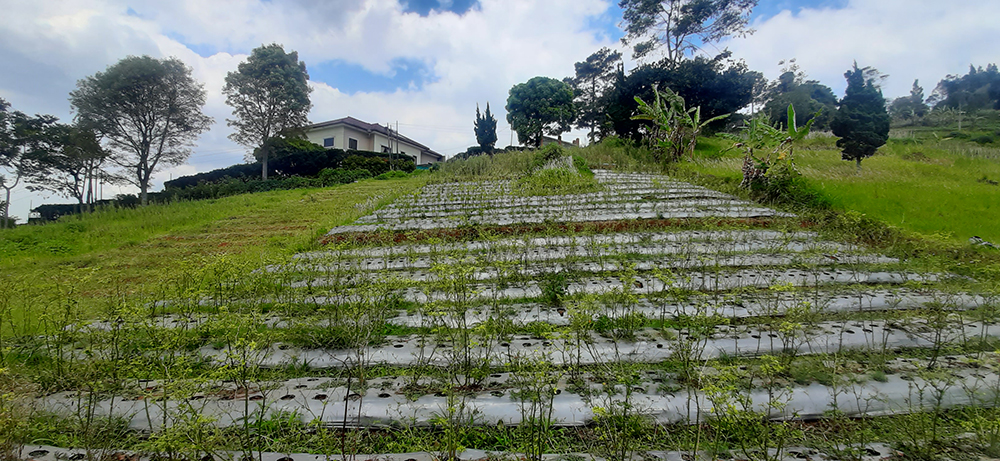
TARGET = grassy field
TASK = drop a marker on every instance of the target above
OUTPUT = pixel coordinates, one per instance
(136, 252)
(946, 190)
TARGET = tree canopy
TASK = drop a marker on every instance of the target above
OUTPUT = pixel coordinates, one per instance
(269, 94)
(909, 107)
(593, 77)
(812, 100)
(486, 129)
(148, 112)
(540, 106)
(712, 84)
(978, 89)
(862, 122)
(70, 163)
(22, 137)
(677, 26)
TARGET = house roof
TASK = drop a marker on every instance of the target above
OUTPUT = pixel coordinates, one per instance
(373, 127)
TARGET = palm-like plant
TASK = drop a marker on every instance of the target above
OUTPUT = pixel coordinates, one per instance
(675, 128)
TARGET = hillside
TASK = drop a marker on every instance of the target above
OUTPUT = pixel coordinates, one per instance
(528, 304)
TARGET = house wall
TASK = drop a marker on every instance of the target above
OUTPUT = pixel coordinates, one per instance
(318, 135)
(371, 142)
(364, 141)
(341, 134)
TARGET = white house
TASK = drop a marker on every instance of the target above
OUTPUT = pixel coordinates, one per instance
(351, 133)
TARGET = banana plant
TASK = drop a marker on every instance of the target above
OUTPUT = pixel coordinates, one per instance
(675, 128)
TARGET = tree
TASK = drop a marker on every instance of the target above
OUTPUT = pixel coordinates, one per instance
(909, 107)
(714, 85)
(814, 101)
(677, 25)
(486, 130)
(979, 89)
(593, 77)
(269, 95)
(862, 122)
(21, 136)
(540, 106)
(6, 154)
(147, 110)
(70, 163)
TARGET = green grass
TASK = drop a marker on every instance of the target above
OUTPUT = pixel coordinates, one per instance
(920, 187)
(116, 252)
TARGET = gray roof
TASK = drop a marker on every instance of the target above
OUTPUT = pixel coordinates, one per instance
(373, 127)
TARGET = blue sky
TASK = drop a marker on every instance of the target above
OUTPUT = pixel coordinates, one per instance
(426, 64)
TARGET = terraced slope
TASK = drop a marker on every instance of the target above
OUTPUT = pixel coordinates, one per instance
(652, 303)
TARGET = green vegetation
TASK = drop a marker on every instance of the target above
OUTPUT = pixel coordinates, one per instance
(861, 122)
(139, 251)
(541, 106)
(269, 95)
(145, 133)
(928, 187)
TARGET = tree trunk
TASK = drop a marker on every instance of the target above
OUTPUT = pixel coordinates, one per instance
(858, 160)
(143, 194)
(263, 162)
(6, 209)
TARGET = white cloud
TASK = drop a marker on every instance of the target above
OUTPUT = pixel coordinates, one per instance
(907, 39)
(475, 57)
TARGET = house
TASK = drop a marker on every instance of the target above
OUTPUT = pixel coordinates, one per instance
(351, 133)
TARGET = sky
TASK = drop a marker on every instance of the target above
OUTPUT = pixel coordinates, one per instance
(426, 64)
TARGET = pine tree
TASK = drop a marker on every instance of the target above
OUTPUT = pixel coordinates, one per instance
(486, 130)
(862, 122)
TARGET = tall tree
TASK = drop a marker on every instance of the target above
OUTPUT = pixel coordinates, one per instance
(486, 130)
(910, 107)
(979, 89)
(147, 110)
(812, 100)
(540, 106)
(593, 77)
(862, 122)
(70, 164)
(677, 25)
(269, 94)
(714, 85)
(21, 137)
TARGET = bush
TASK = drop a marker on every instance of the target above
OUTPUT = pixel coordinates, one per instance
(983, 139)
(556, 181)
(356, 162)
(331, 177)
(547, 154)
(307, 163)
(391, 175)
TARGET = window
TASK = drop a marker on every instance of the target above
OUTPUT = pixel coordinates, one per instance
(352, 143)
(386, 149)
(328, 142)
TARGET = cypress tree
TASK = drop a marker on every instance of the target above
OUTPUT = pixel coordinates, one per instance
(861, 122)
(486, 130)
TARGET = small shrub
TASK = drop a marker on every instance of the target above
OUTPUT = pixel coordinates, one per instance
(581, 166)
(556, 181)
(391, 175)
(547, 154)
(554, 289)
(623, 327)
(983, 139)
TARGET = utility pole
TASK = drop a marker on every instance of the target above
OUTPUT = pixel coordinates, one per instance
(388, 129)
